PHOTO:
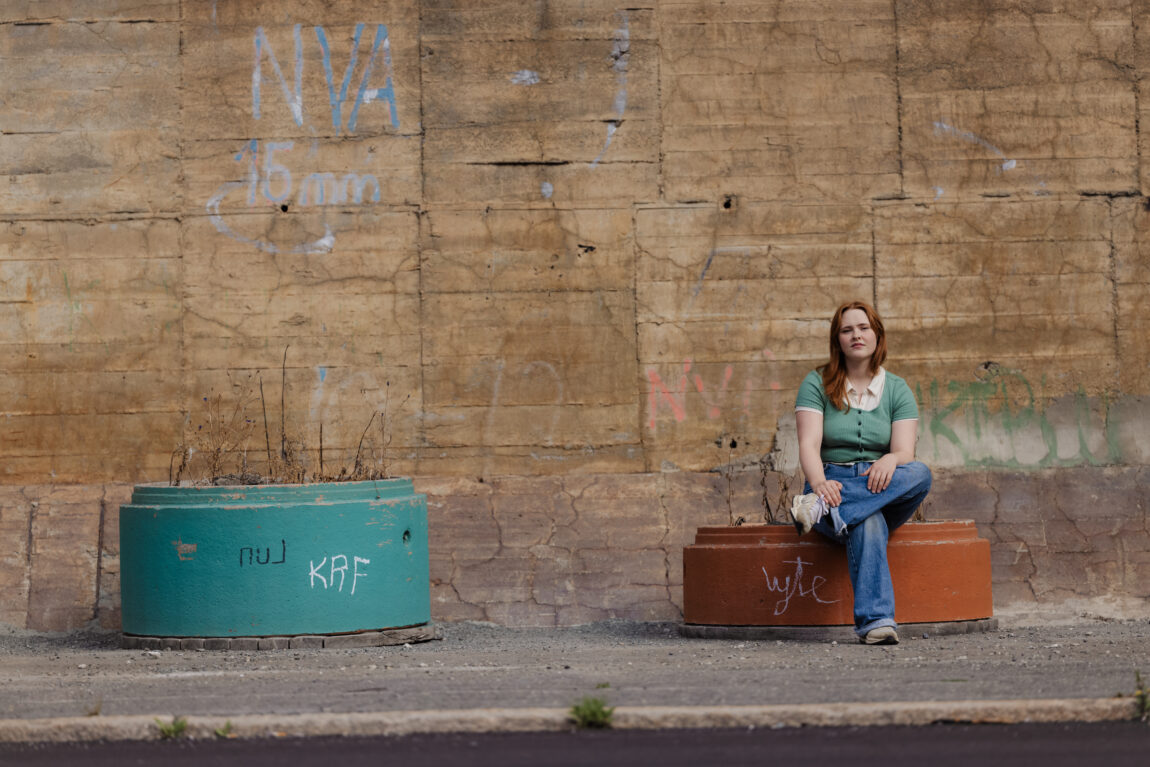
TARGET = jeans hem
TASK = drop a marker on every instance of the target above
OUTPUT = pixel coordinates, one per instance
(840, 527)
(876, 624)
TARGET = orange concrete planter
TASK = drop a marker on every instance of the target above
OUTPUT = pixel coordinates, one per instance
(766, 575)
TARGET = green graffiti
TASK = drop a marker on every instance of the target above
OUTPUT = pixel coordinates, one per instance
(76, 310)
(997, 421)
(1113, 448)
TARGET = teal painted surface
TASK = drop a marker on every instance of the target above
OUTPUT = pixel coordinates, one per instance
(274, 559)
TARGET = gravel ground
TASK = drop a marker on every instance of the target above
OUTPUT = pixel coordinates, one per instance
(627, 663)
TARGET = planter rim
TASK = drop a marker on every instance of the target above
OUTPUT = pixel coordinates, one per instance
(163, 494)
(785, 525)
(927, 531)
(347, 483)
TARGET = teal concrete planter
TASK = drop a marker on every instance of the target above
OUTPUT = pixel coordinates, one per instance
(274, 560)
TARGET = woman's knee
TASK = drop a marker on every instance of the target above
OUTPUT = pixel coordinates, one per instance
(874, 524)
(872, 528)
(918, 473)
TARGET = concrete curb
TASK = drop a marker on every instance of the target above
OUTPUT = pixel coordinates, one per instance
(61, 730)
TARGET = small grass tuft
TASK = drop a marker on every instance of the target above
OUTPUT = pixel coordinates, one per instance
(225, 731)
(174, 729)
(592, 714)
(1142, 695)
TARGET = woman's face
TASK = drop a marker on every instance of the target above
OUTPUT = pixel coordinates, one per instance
(856, 336)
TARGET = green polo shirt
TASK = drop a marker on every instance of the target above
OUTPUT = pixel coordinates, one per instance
(857, 435)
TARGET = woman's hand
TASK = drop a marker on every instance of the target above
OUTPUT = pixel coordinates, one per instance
(830, 490)
(810, 427)
(879, 474)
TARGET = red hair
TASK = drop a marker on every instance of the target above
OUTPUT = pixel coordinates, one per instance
(835, 372)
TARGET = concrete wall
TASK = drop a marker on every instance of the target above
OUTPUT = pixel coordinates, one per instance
(581, 253)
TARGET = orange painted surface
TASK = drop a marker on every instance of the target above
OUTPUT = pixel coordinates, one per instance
(766, 575)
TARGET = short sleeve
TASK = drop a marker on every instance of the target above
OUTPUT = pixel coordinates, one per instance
(903, 406)
(811, 393)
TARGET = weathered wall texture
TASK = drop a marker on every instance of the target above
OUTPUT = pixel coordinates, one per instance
(581, 252)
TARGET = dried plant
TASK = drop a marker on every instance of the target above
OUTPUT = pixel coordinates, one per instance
(214, 448)
(728, 472)
(358, 469)
(217, 442)
(371, 460)
(776, 493)
(289, 466)
(176, 473)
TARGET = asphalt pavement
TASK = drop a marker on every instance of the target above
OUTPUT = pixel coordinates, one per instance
(1066, 744)
(484, 678)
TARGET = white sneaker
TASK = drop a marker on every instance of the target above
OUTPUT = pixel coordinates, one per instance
(881, 635)
(806, 510)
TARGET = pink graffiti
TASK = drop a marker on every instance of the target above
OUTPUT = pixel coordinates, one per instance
(713, 409)
(677, 402)
(769, 356)
(715, 399)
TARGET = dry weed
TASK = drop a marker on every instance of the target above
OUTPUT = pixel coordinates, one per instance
(218, 440)
(214, 448)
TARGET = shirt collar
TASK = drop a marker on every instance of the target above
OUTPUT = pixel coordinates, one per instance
(873, 387)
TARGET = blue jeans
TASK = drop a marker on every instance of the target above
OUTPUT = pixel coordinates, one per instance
(862, 522)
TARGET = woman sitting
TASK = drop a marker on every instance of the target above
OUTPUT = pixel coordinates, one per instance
(857, 425)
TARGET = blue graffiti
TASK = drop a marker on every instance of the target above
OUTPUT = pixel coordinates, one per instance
(293, 94)
(322, 244)
(387, 92)
(321, 188)
(326, 190)
(294, 100)
(336, 100)
(267, 172)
